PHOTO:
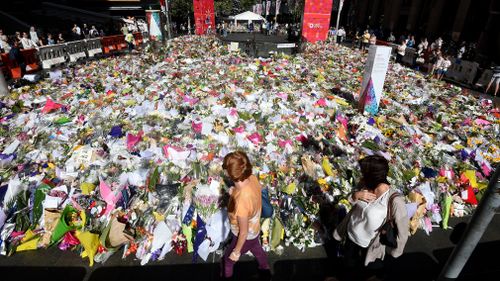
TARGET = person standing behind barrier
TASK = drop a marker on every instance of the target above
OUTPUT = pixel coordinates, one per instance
(434, 58)
(419, 58)
(360, 229)
(224, 29)
(50, 39)
(76, 32)
(129, 38)
(400, 53)
(391, 38)
(124, 29)
(341, 34)
(4, 42)
(365, 40)
(15, 55)
(425, 43)
(26, 42)
(437, 65)
(443, 66)
(93, 33)
(373, 40)
(85, 31)
(411, 42)
(244, 210)
(34, 36)
(60, 39)
(495, 79)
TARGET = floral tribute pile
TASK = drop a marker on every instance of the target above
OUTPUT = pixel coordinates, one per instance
(125, 153)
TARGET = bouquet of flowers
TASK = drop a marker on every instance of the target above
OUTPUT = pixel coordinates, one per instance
(206, 199)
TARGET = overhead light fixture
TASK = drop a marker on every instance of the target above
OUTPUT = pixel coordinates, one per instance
(125, 8)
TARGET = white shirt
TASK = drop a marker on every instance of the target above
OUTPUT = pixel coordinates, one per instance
(27, 43)
(34, 36)
(443, 64)
(78, 30)
(366, 219)
(402, 49)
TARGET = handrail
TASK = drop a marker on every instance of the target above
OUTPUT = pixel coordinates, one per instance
(474, 231)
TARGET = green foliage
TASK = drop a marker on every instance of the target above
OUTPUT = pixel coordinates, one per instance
(223, 7)
(181, 8)
(246, 5)
(184, 8)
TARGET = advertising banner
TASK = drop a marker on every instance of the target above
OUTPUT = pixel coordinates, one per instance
(316, 20)
(204, 16)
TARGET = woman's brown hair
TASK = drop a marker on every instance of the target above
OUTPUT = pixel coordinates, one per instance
(237, 166)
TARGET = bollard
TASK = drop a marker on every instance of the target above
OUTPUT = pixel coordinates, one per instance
(4, 90)
(475, 229)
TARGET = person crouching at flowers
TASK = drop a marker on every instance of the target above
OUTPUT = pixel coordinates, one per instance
(244, 209)
(360, 229)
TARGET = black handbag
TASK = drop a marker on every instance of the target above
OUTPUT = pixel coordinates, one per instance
(389, 231)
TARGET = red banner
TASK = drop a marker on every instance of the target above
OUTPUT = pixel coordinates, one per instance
(204, 16)
(316, 20)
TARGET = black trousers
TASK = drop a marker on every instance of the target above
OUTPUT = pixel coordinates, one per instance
(353, 263)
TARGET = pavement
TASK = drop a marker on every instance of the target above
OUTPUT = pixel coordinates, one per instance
(423, 258)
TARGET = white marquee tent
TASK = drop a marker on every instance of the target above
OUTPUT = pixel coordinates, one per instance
(248, 16)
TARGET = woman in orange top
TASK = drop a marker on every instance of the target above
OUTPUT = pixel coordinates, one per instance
(245, 207)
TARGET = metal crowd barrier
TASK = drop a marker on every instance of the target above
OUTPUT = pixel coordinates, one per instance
(94, 47)
(76, 50)
(463, 72)
(410, 56)
(485, 78)
(52, 55)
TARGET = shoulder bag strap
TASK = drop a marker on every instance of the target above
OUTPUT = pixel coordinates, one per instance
(389, 206)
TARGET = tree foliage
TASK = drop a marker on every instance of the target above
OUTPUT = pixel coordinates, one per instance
(184, 8)
(181, 8)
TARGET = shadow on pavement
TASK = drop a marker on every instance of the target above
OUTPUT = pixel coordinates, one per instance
(30, 273)
(411, 266)
(179, 272)
(482, 265)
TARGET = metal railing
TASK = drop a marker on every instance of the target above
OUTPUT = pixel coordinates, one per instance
(474, 231)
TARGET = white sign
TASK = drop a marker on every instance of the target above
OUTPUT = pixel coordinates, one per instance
(374, 77)
(286, 45)
(234, 46)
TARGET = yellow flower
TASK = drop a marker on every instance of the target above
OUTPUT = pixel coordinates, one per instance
(322, 181)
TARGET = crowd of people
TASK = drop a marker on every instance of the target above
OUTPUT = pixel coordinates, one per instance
(435, 58)
(36, 37)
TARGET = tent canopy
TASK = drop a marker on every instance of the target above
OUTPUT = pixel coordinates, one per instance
(248, 16)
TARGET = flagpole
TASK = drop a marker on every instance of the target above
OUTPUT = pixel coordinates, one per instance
(167, 16)
(341, 3)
